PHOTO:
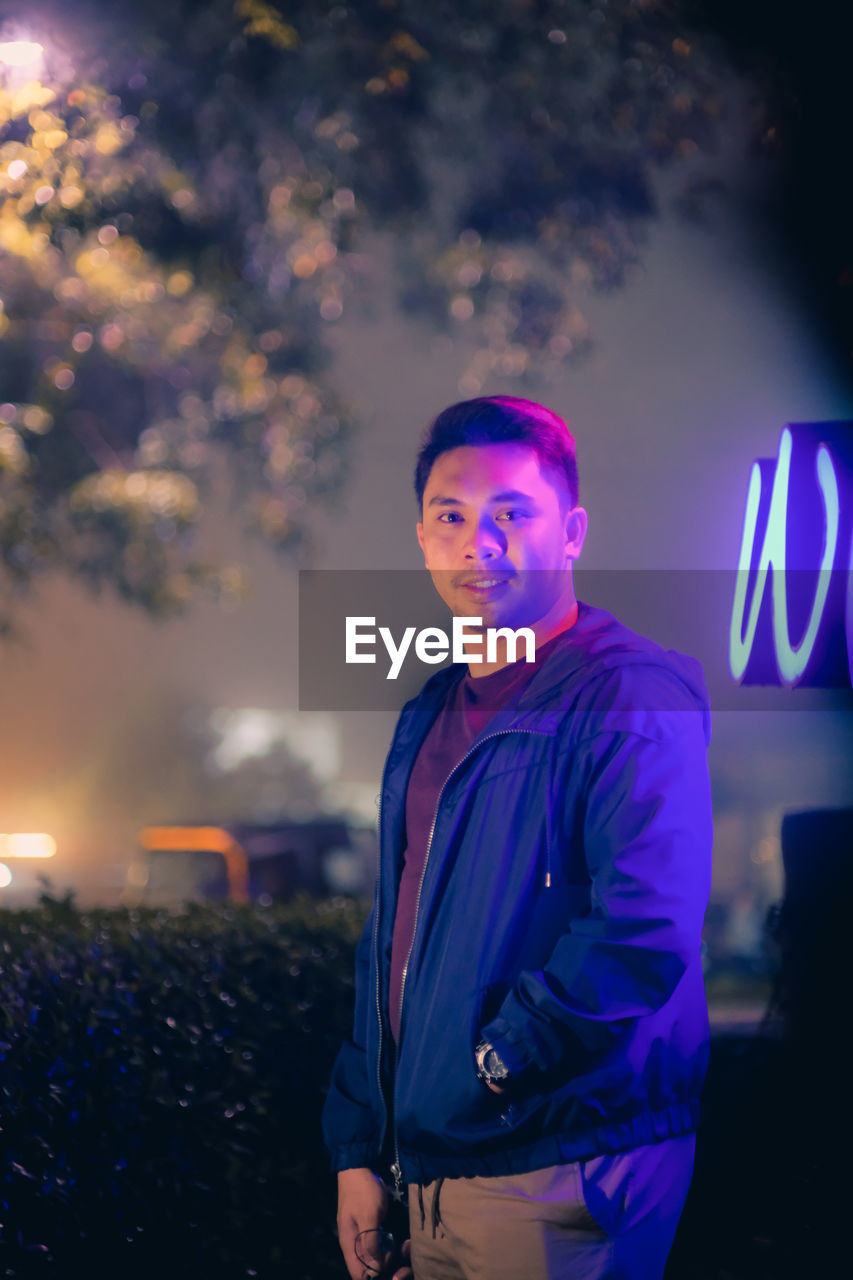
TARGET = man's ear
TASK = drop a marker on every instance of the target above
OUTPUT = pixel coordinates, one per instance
(576, 527)
(419, 529)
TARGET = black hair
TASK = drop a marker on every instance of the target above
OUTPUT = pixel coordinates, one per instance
(501, 420)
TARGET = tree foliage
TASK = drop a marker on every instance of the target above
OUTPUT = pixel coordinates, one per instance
(192, 194)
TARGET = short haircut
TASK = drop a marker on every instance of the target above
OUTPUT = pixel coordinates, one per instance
(501, 420)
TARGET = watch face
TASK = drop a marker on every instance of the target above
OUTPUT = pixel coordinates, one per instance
(494, 1065)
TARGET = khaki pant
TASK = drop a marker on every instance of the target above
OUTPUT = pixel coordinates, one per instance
(613, 1217)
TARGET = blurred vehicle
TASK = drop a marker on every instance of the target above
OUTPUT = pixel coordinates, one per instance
(250, 862)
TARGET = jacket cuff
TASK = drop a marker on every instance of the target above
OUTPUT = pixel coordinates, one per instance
(355, 1155)
(508, 1045)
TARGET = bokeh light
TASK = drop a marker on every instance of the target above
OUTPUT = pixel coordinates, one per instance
(21, 53)
(27, 844)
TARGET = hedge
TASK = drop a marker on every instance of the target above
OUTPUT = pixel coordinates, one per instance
(161, 1080)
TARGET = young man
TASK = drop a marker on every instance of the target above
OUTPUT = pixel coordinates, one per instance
(531, 1032)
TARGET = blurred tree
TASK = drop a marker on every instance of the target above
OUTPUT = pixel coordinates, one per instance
(191, 193)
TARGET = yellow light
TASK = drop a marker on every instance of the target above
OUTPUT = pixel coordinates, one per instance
(304, 266)
(20, 53)
(178, 283)
(27, 844)
(5, 875)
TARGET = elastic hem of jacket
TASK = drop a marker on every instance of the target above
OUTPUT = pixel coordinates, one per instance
(357, 1155)
(650, 1126)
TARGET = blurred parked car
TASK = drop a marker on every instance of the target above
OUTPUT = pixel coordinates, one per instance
(251, 862)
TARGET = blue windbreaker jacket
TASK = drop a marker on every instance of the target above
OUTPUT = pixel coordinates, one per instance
(559, 917)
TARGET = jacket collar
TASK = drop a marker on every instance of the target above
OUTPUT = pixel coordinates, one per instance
(596, 643)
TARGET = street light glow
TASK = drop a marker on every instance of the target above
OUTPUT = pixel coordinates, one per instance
(20, 53)
(27, 844)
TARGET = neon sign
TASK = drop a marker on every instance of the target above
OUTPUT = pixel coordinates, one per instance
(792, 613)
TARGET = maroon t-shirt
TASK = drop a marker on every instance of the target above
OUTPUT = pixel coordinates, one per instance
(470, 705)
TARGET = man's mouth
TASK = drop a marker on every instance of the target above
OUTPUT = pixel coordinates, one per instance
(485, 582)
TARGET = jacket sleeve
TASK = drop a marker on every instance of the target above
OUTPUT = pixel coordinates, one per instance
(351, 1128)
(645, 815)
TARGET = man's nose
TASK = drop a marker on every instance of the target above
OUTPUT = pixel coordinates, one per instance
(486, 541)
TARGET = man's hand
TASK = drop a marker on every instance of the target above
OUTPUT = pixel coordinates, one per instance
(495, 1088)
(362, 1206)
(405, 1272)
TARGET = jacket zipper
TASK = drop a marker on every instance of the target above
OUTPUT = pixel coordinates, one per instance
(396, 1171)
(378, 982)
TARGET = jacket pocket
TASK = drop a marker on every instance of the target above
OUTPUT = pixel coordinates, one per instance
(441, 1101)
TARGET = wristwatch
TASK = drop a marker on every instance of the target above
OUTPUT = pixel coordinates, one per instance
(491, 1067)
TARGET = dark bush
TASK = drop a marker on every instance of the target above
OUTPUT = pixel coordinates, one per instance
(161, 1080)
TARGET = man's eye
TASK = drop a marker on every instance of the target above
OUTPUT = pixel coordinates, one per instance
(444, 518)
(514, 514)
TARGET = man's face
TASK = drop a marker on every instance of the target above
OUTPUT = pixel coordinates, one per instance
(494, 537)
